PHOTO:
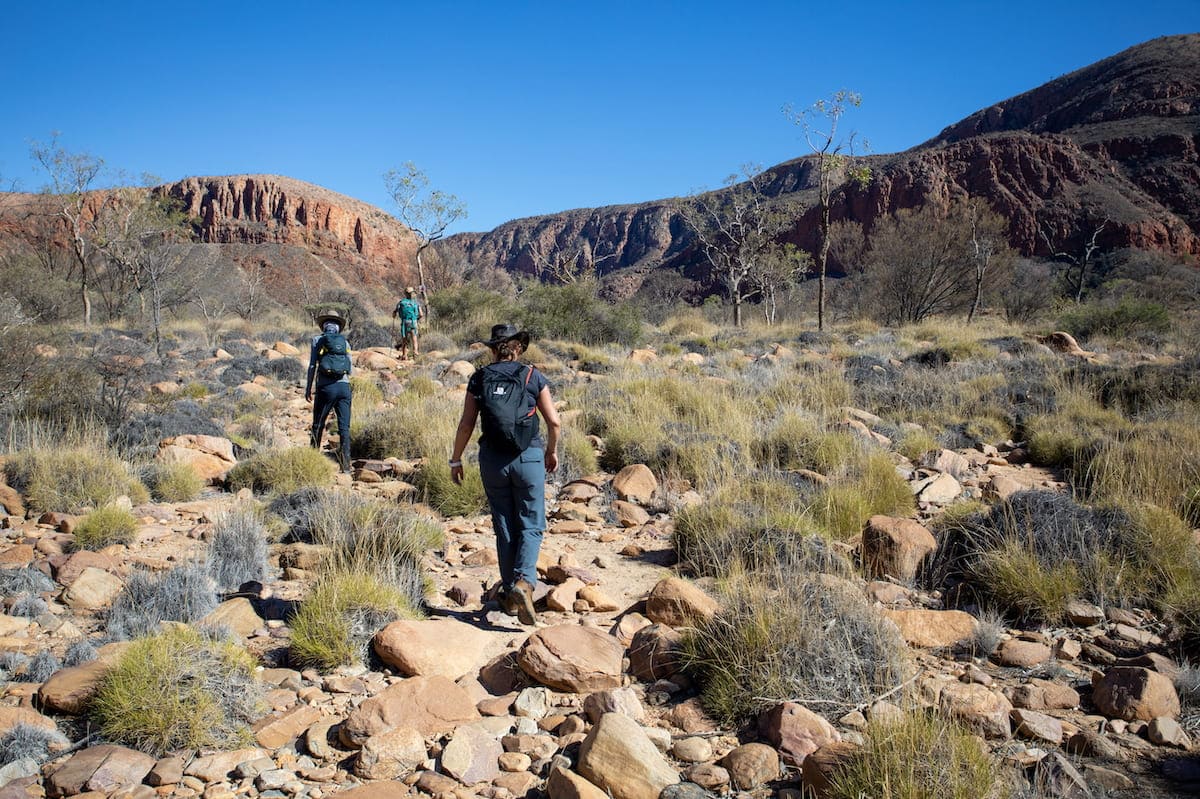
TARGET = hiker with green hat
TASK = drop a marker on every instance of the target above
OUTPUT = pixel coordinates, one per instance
(506, 397)
(329, 365)
(408, 310)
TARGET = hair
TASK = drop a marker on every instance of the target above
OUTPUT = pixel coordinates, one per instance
(509, 350)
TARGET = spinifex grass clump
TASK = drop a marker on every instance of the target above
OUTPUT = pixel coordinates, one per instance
(842, 508)
(918, 756)
(173, 482)
(183, 594)
(1032, 553)
(103, 527)
(701, 430)
(237, 550)
(30, 741)
(283, 471)
(422, 426)
(756, 524)
(812, 640)
(371, 575)
(179, 690)
(71, 479)
(793, 440)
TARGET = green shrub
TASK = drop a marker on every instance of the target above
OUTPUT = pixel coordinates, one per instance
(914, 443)
(366, 393)
(796, 441)
(193, 391)
(844, 507)
(468, 311)
(340, 616)
(577, 457)
(179, 690)
(918, 756)
(282, 471)
(755, 525)
(71, 479)
(1128, 318)
(575, 312)
(102, 527)
(173, 482)
(434, 483)
(814, 640)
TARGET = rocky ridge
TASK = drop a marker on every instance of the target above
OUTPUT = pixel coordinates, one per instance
(592, 701)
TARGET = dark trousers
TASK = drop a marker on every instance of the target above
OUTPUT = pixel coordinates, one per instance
(334, 397)
(515, 485)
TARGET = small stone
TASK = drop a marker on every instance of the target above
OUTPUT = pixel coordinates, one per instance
(514, 761)
(1166, 731)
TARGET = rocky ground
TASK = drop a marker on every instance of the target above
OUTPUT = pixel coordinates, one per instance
(468, 703)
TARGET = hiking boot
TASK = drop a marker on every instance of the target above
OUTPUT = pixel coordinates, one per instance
(508, 601)
(522, 595)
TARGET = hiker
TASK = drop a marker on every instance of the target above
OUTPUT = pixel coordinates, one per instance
(329, 364)
(408, 310)
(513, 459)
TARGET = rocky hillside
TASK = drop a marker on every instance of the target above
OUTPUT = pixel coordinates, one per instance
(1117, 140)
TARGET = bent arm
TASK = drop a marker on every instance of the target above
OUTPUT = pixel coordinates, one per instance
(545, 405)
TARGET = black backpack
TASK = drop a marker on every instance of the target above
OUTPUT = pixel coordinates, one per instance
(506, 413)
(333, 355)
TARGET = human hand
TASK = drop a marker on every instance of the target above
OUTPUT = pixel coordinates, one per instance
(456, 474)
(308, 396)
(551, 461)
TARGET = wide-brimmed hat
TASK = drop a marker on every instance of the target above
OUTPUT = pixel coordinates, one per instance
(410, 291)
(506, 332)
(331, 315)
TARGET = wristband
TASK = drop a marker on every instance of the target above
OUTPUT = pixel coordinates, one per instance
(455, 463)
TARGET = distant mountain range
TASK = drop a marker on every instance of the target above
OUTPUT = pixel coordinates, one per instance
(1117, 141)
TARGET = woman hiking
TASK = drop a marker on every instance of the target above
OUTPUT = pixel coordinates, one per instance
(507, 396)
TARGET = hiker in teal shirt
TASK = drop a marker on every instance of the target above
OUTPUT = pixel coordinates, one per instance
(408, 310)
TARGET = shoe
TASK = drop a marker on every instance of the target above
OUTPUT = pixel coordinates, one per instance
(343, 461)
(522, 595)
(508, 601)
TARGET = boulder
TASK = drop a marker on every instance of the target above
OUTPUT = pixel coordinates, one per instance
(377, 790)
(1022, 654)
(618, 758)
(618, 700)
(820, 767)
(977, 707)
(16, 555)
(692, 750)
(12, 716)
(934, 629)
(425, 648)
(562, 597)
(1037, 726)
(635, 483)
(896, 547)
(238, 614)
(572, 658)
(219, 765)
(92, 589)
(101, 768)
(276, 731)
(1166, 731)
(210, 457)
(566, 784)
(678, 603)
(80, 561)
(941, 490)
(11, 501)
(70, 690)
(654, 652)
(629, 514)
(390, 755)
(430, 705)
(795, 731)
(472, 756)
(1131, 692)
(751, 765)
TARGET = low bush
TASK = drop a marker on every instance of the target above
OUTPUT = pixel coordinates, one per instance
(918, 756)
(1032, 553)
(237, 550)
(844, 507)
(915, 442)
(141, 432)
(26, 580)
(183, 594)
(575, 312)
(577, 456)
(30, 741)
(72, 479)
(173, 482)
(282, 471)
(365, 392)
(27, 606)
(41, 667)
(105, 526)
(340, 616)
(1128, 318)
(814, 640)
(797, 441)
(467, 312)
(755, 525)
(81, 651)
(179, 690)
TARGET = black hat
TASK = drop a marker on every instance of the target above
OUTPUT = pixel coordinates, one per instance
(506, 332)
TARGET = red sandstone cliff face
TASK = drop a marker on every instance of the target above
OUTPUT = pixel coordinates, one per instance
(1116, 141)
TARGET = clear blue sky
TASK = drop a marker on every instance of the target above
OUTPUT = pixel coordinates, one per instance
(520, 108)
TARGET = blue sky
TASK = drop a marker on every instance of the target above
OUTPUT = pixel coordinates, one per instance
(520, 108)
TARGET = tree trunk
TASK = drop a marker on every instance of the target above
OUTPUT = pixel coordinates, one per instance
(823, 246)
(737, 309)
(421, 287)
(978, 298)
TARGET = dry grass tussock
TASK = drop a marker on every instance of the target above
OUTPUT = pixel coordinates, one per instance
(237, 549)
(179, 690)
(282, 471)
(184, 594)
(1032, 553)
(815, 641)
(919, 756)
(103, 527)
(173, 482)
(69, 470)
(421, 426)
